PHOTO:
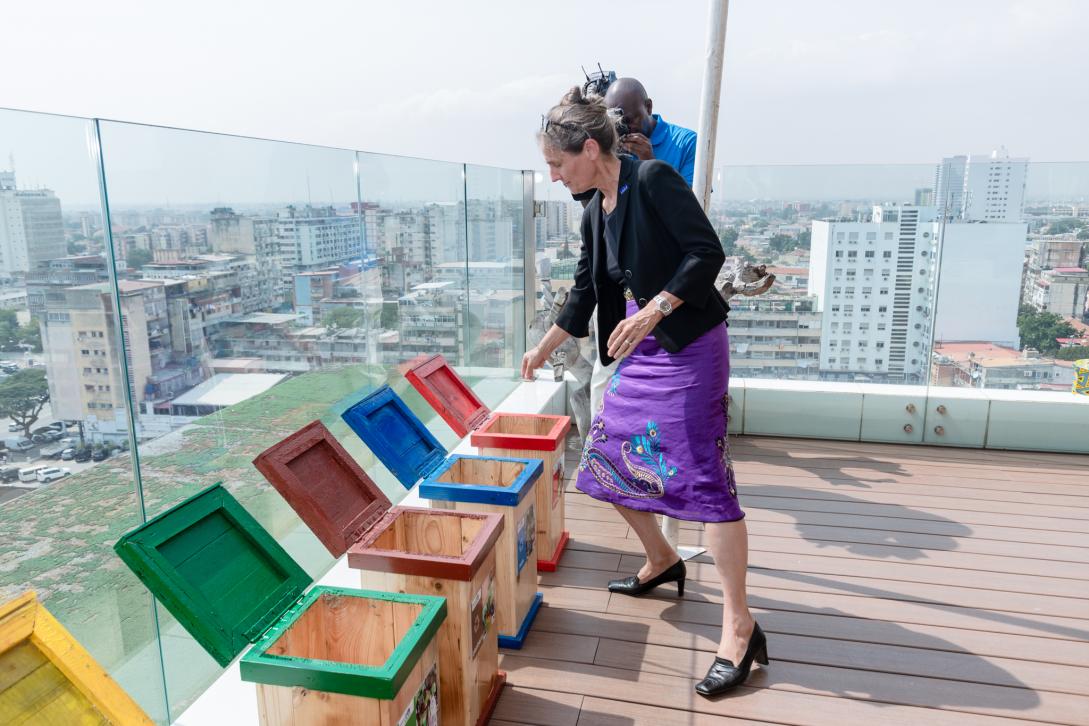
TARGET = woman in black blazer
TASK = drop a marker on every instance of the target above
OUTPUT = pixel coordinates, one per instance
(658, 443)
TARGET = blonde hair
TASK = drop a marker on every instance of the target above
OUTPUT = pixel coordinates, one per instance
(575, 119)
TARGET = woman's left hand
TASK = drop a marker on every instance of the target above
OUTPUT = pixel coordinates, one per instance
(631, 331)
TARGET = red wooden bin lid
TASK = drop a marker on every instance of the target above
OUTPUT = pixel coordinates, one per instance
(324, 485)
(448, 394)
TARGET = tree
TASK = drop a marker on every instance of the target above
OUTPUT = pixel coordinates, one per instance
(391, 316)
(138, 257)
(22, 397)
(782, 243)
(805, 239)
(565, 252)
(1062, 226)
(1077, 352)
(31, 335)
(1084, 233)
(342, 318)
(728, 239)
(1039, 330)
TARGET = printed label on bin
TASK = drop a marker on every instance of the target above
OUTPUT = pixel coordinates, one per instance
(423, 709)
(557, 482)
(483, 611)
(527, 535)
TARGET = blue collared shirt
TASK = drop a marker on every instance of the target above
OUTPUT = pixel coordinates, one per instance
(676, 146)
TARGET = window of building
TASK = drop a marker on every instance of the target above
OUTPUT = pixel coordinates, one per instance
(878, 361)
(870, 254)
(884, 291)
(871, 235)
(849, 309)
(882, 308)
(880, 326)
(880, 344)
(835, 308)
(852, 236)
(887, 254)
(839, 235)
(865, 308)
(852, 254)
(867, 291)
(888, 235)
(839, 253)
(837, 290)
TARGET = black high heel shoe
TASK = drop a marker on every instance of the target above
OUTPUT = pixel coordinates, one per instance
(631, 585)
(724, 676)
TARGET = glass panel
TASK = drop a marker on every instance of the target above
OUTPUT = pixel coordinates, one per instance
(245, 320)
(1011, 307)
(60, 392)
(853, 252)
(496, 258)
(414, 211)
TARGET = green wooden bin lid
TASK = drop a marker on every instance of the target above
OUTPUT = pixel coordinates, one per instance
(224, 578)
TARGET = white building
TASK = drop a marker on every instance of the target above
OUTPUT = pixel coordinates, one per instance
(981, 187)
(874, 283)
(31, 226)
(312, 238)
(1061, 291)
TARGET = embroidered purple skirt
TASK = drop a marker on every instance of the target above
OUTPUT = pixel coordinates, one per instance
(658, 442)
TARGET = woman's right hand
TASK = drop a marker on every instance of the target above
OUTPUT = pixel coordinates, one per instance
(531, 361)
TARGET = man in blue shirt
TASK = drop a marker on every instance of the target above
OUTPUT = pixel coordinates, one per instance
(651, 137)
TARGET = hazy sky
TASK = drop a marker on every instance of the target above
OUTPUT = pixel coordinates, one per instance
(836, 82)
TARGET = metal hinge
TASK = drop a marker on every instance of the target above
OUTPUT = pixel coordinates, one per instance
(538, 209)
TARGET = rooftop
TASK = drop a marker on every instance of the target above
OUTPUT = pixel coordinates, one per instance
(897, 585)
(227, 389)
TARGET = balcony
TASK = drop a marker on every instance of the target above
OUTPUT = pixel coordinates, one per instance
(895, 585)
(913, 546)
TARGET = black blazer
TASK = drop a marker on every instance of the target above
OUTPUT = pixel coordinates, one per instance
(666, 243)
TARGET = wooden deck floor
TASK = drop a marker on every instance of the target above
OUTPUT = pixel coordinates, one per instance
(897, 585)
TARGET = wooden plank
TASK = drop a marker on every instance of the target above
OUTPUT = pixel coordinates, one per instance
(942, 487)
(762, 704)
(605, 712)
(893, 660)
(521, 705)
(860, 632)
(907, 545)
(886, 570)
(898, 688)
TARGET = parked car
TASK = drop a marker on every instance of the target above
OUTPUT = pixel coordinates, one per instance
(46, 437)
(100, 455)
(53, 452)
(68, 454)
(30, 473)
(14, 427)
(52, 473)
(19, 443)
(9, 474)
(82, 455)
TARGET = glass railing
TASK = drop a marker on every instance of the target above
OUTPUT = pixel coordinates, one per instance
(937, 279)
(175, 302)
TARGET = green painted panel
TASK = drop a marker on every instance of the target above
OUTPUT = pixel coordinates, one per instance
(216, 570)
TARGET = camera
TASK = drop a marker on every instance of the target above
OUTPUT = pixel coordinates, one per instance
(622, 129)
(597, 82)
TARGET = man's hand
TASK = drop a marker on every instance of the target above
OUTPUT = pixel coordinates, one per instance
(638, 145)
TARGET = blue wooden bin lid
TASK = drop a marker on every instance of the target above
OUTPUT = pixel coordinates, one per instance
(216, 569)
(396, 435)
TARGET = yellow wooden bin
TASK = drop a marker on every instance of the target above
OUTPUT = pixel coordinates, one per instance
(46, 677)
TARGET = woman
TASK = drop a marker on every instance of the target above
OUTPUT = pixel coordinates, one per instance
(657, 444)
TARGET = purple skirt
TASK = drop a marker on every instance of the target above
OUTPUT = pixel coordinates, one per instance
(658, 443)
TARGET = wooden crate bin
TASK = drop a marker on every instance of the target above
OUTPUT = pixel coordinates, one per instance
(330, 655)
(519, 435)
(504, 486)
(46, 677)
(404, 549)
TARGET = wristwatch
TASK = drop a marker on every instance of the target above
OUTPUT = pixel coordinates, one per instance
(662, 305)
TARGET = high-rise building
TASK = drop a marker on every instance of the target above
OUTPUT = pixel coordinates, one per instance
(874, 284)
(312, 238)
(31, 226)
(924, 197)
(981, 187)
(1062, 291)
